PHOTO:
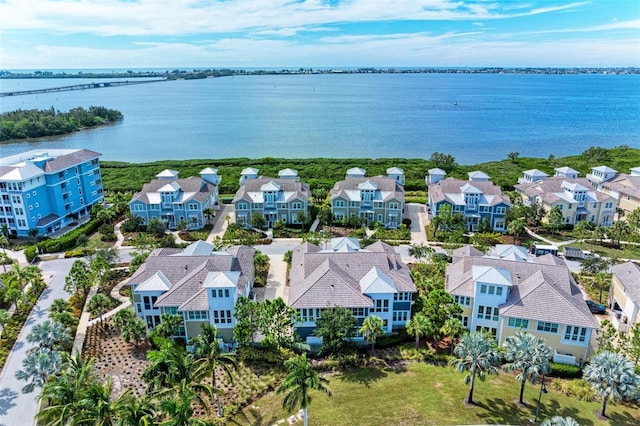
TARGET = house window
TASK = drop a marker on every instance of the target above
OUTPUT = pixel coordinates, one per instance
(569, 207)
(400, 316)
(197, 315)
(501, 210)
(492, 289)
(518, 323)
(381, 306)
(171, 310)
(242, 206)
(462, 300)
(547, 327)
(483, 288)
(297, 205)
(608, 205)
(393, 206)
(339, 203)
(488, 313)
(560, 206)
(575, 334)
(498, 291)
(379, 218)
(222, 317)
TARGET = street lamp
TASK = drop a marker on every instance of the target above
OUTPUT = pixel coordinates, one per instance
(543, 389)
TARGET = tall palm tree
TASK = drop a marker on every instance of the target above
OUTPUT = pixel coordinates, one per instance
(98, 305)
(516, 228)
(529, 355)
(23, 277)
(97, 407)
(209, 354)
(612, 376)
(134, 411)
(174, 373)
(299, 381)
(37, 366)
(209, 213)
(179, 411)
(371, 329)
(476, 354)
(419, 326)
(65, 392)
(51, 335)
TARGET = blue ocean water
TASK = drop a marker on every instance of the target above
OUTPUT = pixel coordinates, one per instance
(474, 117)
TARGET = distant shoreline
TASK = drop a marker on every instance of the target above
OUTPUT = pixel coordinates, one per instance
(225, 72)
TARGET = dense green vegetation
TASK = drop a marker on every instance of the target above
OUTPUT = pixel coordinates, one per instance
(33, 123)
(322, 173)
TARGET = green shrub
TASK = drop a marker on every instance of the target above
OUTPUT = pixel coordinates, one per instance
(79, 252)
(70, 239)
(30, 252)
(565, 371)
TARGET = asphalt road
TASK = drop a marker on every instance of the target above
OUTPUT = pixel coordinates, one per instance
(16, 408)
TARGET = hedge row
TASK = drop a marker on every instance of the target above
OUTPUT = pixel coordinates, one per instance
(565, 371)
(12, 329)
(69, 240)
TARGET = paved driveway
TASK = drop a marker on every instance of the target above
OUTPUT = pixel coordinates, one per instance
(16, 408)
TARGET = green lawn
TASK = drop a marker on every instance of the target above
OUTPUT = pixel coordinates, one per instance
(429, 395)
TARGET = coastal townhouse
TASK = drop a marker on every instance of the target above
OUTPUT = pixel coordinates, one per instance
(575, 197)
(624, 295)
(507, 291)
(368, 281)
(378, 199)
(625, 188)
(283, 198)
(177, 201)
(43, 191)
(477, 199)
(197, 283)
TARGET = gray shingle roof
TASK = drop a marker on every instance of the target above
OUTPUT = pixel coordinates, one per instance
(187, 273)
(325, 278)
(629, 275)
(194, 187)
(294, 189)
(541, 291)
(625, 184)
(450, 190)
(551, 189)
(67, 160)
(349, 188)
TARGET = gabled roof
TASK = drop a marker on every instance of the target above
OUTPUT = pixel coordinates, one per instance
(287, 173)
(168, 174)
(333, 278)
(575, 186)
(450, 190)
(270, 186)
(436, 171)
(367, 185)
(628, 274)
(156, 282)
(170, 187)
(356, 171)
(490, 274)
(539, 291)
(477, 174)
(395, 171)
(566, 170)
(345, 244)
(221, 279)
(375, 281)
(551, 190)
(511, 252)
(249, 171)
(467, 188)
(535, 173)
(192, 188)
(287, 189)
(209, 171)
(604, 169)
(625, 184)
(198, 248)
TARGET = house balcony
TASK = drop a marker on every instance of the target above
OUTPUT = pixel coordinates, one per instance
(269, 205)
(619, 321)
(366, 205)
(564, 358)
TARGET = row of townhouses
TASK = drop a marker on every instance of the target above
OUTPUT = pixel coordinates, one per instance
(595, 198)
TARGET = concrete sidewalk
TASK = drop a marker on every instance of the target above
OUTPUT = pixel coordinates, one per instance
(220, 227)
(276, 280)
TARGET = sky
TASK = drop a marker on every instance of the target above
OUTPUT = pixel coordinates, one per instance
(113, 34)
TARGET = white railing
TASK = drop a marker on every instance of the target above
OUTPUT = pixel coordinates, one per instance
(564, 358)
(618, 323)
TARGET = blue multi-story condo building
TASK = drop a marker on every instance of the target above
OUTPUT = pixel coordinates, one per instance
(48, 190)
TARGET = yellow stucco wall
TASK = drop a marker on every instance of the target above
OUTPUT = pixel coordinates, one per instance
(553, 340)
(617, 293)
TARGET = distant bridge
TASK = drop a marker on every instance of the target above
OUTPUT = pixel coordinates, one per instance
(79, 87)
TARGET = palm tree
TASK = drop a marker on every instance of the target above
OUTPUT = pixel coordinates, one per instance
(134, 330)
(169, 325)
(420, 251)
(529, 355)
(98, 305)
(134, 411)
(419, 326)
(179, 411)
(174, 373)
(612, 376)
(299, 381)
(123, 316)
(209, 354)
(560, 421)
(452, 328)
(516, 228)
(477, 354)
(97, 407)
(3, 242)
(23, 276)
(65, 392)
(51, 335)
(371, 329)
(38, 365)
(209, 213)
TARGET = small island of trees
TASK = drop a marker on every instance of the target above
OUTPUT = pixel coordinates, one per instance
(33, 123)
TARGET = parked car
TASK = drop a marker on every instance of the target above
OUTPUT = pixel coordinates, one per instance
(596, 308)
